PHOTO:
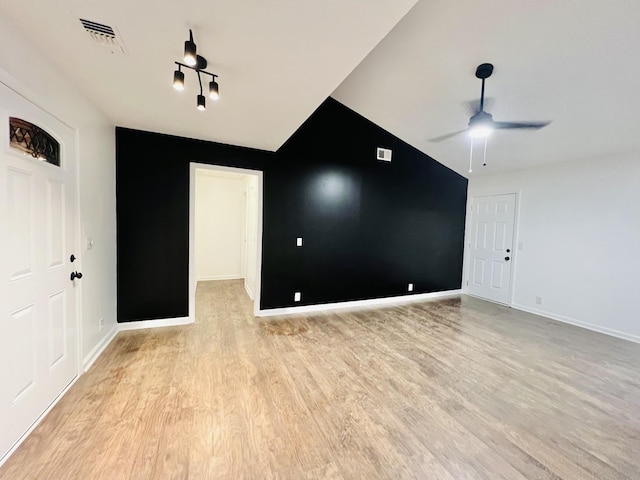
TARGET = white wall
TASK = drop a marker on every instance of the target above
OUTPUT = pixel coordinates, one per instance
(25, 70)
(579, 226)
(219, 225)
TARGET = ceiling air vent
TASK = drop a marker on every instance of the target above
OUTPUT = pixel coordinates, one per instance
(383, 154)
(104, 35)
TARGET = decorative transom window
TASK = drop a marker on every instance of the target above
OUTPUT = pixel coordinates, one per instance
(34, 141)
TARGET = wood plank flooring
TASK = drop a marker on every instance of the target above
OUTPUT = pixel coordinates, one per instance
(449, 389)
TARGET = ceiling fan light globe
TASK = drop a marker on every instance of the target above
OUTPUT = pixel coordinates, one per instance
(480, 131)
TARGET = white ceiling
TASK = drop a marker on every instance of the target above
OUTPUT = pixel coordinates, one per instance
(276, 60)
(575, 63)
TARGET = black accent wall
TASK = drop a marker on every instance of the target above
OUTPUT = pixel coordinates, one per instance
(369, 227)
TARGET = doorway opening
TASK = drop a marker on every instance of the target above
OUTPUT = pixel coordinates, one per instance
(225, 228)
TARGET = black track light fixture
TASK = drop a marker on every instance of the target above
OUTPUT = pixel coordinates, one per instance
(197, 63)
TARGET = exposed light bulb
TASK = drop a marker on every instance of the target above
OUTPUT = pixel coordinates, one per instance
(190, 59)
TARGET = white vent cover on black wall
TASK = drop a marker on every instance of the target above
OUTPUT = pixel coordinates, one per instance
(104, 35)
(383, 154)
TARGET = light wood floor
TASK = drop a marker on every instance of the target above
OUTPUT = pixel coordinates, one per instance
(451, 389)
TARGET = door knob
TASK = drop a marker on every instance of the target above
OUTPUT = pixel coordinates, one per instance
(506, 259)
(75, 275)
(508, 250)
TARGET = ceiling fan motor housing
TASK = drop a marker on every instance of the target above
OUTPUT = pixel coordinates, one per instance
(481, 118)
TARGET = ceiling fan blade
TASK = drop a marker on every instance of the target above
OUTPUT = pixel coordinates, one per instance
(447, 136)
(510, 125)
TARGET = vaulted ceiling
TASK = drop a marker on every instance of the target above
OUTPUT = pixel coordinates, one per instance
(410, 70)
(276, 60)
(574, 63)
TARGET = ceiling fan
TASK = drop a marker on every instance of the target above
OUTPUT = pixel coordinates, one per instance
(481, 123)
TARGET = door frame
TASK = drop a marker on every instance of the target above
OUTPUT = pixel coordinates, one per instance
(467, 240)
(73, 146)
(193, 166)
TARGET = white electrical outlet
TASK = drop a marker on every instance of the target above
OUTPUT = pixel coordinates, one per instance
(101, 324)
(538, 300)
(89, 243)
(296, 296)
(410, 287)
(299, 242)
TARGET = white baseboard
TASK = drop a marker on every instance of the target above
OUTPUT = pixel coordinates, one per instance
(160, 322)
(374, 302)
(119, 327)
(39, 420)
(93, 355)
(249, 291)
(578, 323)
(219, 277)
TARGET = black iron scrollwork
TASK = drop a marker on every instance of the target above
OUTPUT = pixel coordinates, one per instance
(33, 140)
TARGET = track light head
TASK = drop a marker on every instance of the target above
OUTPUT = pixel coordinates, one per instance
(190, 56)
(178, 79)
(214, 90)
(202, 103)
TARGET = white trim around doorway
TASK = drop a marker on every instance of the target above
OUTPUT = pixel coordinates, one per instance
(193, 166)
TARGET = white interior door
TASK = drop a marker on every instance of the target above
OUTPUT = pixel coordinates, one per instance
(38, 335)
(491, 247)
